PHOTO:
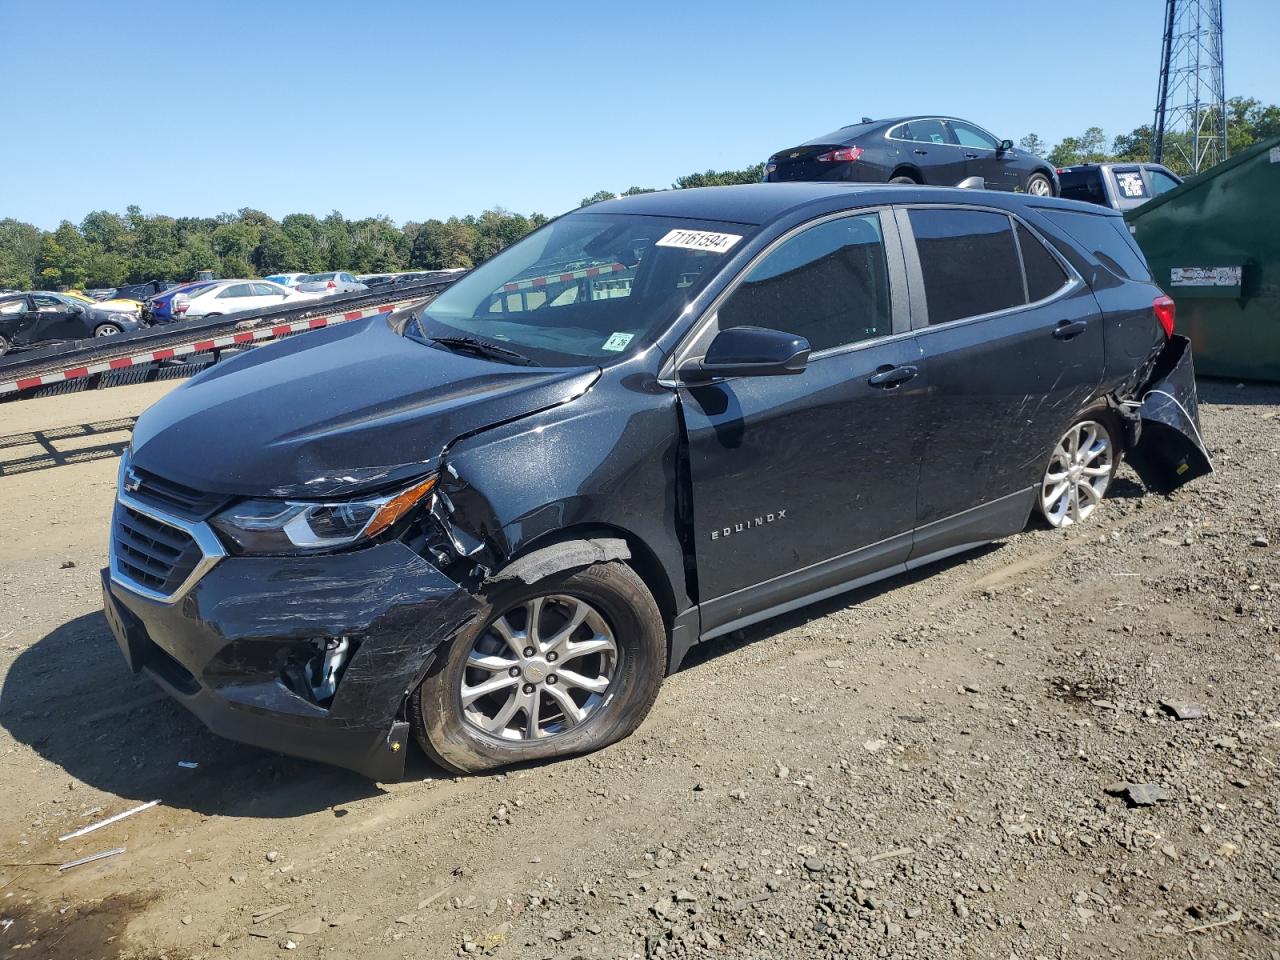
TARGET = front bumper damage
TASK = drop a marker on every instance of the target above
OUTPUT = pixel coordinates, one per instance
(234, 649)
(1170, 450)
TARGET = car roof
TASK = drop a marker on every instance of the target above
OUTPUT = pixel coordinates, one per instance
(761, 203)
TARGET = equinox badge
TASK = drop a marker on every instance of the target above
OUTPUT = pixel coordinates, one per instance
(746, 525)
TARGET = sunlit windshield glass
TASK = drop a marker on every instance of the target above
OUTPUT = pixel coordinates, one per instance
(585, 288)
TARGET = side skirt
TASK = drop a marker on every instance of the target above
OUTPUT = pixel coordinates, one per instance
(937, 541)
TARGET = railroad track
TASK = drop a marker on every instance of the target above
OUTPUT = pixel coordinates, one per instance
(184, 348)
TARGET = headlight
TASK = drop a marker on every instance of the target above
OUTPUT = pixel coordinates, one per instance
(288, 526)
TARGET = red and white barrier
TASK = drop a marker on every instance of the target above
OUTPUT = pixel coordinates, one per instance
(563, 277)
(199, 346)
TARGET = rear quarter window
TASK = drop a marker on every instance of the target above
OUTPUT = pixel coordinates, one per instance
(1107, 238)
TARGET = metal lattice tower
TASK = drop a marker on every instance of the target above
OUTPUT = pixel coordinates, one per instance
(1191, 106)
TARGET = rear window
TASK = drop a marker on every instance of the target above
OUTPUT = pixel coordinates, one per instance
(1107, 238)
(314, 277)
(1083, 185)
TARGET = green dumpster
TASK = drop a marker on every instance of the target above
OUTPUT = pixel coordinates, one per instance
(1214, 246)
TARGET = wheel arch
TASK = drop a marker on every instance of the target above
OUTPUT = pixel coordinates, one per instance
(643, 560)
(908, 170)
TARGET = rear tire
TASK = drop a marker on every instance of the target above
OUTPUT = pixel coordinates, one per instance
(902, 178)
(1038, 185)
(524, 717)
(1080, 469)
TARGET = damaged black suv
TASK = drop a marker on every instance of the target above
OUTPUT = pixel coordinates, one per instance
(496, 520)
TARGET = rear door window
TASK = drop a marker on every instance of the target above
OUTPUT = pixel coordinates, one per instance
(926, 131)
(11, 307)
(237, 290)
(829, 284)
(969, 262)
(1107, 238)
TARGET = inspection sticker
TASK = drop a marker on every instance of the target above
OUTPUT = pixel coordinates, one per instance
(700, 240)
(618, 342)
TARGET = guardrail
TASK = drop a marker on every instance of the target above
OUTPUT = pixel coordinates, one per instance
(109, 361)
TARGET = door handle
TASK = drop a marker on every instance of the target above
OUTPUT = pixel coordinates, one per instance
(890, 376)
(1067, 329)
(971, 156)
(920, 152)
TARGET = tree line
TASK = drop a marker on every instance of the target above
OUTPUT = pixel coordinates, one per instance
(108, 249)
(1248, 121)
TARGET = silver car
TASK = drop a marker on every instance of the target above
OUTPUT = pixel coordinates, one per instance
(327, 283)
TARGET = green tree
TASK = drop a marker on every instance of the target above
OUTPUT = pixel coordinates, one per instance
(20, 245)
(63, 256)
(721, 178)
(597, 197)
(1033, 145)
(1087, 148)
(440, 245)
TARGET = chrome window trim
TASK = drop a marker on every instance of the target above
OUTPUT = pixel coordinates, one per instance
(892, 243)
(932, 143)
(1074, 280)
(211, 548)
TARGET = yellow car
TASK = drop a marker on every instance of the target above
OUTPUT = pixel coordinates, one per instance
(120, 305)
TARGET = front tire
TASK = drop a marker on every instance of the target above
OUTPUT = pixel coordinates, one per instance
(4, 346)
(1038, 185)
(1080, 469)
(107, 330)
(562, 667)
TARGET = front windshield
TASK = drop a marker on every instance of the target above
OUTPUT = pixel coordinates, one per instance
(588, 287)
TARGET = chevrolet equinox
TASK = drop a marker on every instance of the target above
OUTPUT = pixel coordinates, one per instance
(494, 521)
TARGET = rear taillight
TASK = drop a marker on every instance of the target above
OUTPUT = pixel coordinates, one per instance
(1166, 312)
(331, 285)
(843, 155)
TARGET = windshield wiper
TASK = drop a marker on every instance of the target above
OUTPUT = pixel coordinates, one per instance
(482, 348)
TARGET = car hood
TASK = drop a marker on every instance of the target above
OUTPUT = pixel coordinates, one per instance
(335, 412)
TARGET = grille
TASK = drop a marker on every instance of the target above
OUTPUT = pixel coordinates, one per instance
(153, 554)
(175, 498)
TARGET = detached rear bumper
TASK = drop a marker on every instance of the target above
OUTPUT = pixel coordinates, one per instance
(1170, 450)
(233, 649)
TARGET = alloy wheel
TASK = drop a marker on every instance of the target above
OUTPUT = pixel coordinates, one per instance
(1039, 187)
(106, 330)
(1078, 474)
(539, 669)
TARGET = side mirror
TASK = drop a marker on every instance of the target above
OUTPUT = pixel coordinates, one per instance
(750, 352)
(1005, 145)
(77, 309)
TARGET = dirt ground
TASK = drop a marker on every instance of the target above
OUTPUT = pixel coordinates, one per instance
(915, 770)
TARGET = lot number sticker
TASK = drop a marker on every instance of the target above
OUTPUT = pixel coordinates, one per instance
(700, 240)
(618, 342)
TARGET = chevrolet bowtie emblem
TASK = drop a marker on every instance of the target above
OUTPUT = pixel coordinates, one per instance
(131, 481)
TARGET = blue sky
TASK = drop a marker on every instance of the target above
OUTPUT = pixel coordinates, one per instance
(427, 109)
